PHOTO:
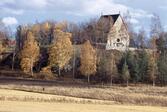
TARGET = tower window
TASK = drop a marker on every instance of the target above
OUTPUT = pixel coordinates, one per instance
(118, 40)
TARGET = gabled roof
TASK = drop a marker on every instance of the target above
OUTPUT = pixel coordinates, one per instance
(114, 17)
(107, 22)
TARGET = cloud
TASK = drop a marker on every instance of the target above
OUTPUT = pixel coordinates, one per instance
(77, 7)
(105, 6)
(35, 4)
(134, 21)
(138, 13)
(9, 21)
(18, 7)
(163, 7)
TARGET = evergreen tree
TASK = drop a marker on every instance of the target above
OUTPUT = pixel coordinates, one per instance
(125, 73)
(132, 62)
(111, 68)
(162, 60)
(143, 64)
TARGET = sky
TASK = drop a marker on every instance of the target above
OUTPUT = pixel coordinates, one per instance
(16, 12)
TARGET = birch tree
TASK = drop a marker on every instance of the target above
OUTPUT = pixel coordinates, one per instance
(61, 51)
(29, 53)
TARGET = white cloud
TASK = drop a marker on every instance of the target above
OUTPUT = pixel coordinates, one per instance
(82, 8)
(138, 13)
(134, 21)
(34, 3)
(9, 21)
(104, 6)
(18, 7)
(75, 7)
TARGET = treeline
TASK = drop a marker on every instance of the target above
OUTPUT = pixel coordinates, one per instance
(5, 35)
(53, 48)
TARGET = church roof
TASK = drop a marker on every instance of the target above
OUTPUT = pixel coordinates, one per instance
(114, 17)
(106, 22)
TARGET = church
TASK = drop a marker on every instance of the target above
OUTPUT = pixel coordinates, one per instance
(117, 33)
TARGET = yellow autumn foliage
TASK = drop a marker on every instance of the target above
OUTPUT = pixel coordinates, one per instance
(30, 53)
(35, 28)
(2, 48)
(45, 27)
(62, 49)
(88, 59)
(25, 64)
(61, 25)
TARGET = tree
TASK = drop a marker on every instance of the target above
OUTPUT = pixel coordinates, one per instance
(152, 69)
(143, 64)
(125, 73)
(61, 51)
(132, 62)
(141, 38)
(2, 47)
(161, 43)
(162, 65)
(88, 60)
(156, 27)
(29, 53)
(21, 35)
(152, 64)
(111, 67)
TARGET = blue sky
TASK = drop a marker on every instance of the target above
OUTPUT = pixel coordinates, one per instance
(15, 12)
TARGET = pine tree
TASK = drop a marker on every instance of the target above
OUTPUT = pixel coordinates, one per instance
(162, 60)
(29, 54)
(125, 73)
(111, 67)
(61, 51)
(88, 60)
(143, 64)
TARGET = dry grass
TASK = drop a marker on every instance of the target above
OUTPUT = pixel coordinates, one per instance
(144, 95)
(13, 106)
(15, 95)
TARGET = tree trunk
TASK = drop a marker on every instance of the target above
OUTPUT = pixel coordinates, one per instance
(111, 82)
(88, 78)
(59, 72)
(74, 65)
(32, 67)
(153, 83)
(13, 61)
(127, 83)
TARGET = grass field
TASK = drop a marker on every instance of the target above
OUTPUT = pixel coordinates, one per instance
(17, 106)
(17, 103)
(133, 95)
